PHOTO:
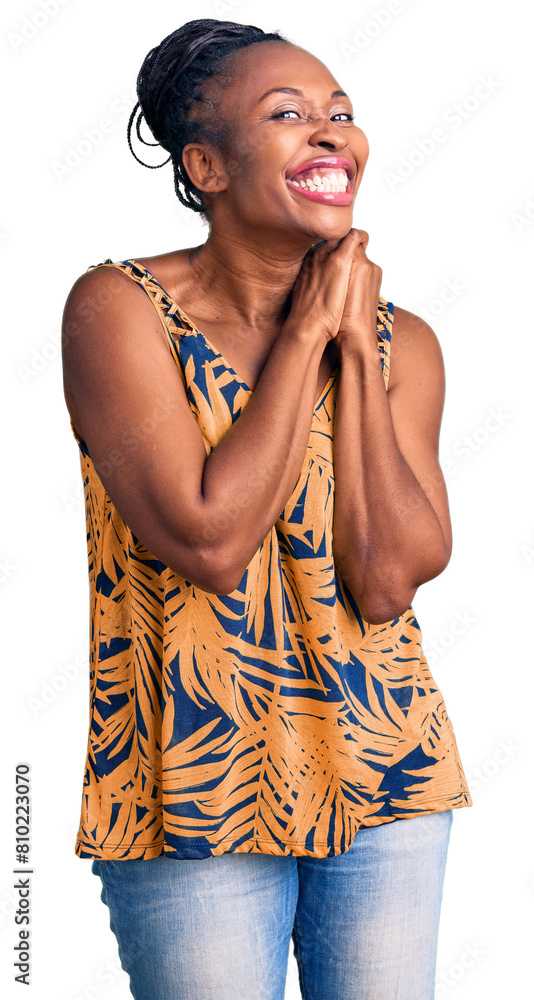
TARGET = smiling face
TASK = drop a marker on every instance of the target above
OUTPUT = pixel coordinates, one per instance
(294, 158)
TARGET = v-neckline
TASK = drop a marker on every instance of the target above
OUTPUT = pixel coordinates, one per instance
(216, 352)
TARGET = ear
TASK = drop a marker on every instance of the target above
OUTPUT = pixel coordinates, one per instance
(204, 167)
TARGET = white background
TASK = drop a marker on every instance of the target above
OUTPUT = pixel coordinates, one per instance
(455, 241)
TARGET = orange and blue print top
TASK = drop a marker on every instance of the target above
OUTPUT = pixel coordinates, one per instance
(273, 719)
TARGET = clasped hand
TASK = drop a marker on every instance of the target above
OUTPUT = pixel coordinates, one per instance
(337, 289)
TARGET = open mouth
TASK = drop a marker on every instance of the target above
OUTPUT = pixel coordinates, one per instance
(325, 178)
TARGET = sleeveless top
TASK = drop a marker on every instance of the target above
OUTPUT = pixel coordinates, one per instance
(273, 719)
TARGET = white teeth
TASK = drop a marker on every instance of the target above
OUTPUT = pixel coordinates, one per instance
(336, 181)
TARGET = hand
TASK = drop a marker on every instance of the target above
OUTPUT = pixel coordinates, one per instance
(320, 290)
(358, 321)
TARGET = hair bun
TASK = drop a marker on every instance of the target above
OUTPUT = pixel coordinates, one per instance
(170, 82)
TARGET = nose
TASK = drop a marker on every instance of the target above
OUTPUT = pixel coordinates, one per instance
(328, 134)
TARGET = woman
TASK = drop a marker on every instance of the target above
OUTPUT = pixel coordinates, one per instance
(262, 713)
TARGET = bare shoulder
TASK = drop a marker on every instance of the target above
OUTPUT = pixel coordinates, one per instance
(104, 308)
(100, 298)
(100, 288)
(107, 285)
(415, 356)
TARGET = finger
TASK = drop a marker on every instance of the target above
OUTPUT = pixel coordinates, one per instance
(363, 237)
(352, 240)
(321, 251)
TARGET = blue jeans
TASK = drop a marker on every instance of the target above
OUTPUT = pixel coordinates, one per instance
(364, 924)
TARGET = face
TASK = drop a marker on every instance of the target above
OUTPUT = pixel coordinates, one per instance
(286, 113)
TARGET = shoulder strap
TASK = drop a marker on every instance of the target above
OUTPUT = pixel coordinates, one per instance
(384, 329)
(161, 301)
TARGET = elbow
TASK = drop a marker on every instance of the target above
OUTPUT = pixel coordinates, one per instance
(386, 594)
(379, 600)
(377, 607)
(218, 573)
(384, 609)
(386, 604)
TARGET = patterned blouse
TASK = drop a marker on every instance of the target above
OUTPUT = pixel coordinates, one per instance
(274, 719)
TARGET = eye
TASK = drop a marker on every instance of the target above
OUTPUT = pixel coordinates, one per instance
(291, 111)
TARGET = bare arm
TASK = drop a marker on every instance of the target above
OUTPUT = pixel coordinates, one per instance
(205, 517)
(392, 528)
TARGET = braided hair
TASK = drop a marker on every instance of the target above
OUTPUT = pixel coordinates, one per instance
(171, 80)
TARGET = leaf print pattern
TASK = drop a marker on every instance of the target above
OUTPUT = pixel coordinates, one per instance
(273, 719)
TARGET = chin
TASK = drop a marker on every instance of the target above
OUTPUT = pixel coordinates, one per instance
(336, 229)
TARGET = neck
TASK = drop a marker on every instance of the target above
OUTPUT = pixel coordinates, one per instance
(251, 285)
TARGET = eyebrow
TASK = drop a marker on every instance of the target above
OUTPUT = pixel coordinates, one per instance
(291, 90)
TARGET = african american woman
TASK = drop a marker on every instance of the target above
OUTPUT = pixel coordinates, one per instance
(269, 756)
